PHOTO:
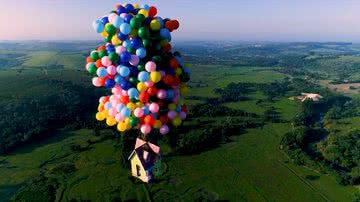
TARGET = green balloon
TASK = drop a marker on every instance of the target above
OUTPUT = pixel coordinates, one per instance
(141, 17)
(133, 100)
(144, 33)
(134, 121)
(113, 57)
(92, 69)
(135, 23)
(111, 29)
(133, 80)
(146, 42)
(141, 67)
(156, 59)
(108, 38)
(102, 53)
(131, 50)
(94, 56)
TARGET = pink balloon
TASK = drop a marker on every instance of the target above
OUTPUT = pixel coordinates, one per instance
(96, 82)
(149, 84)
(164, 130)
(154, 107)
(134, 61)
(120, 49)
(182, 115)
(122, 15)
(145, 129)
(112, 112)
(161, 94)
(116, 90)
(171, 114)
(124, 93)
(119, 118)
(112, 17)
(150, 66)
(106, 61)
(138, 112)
(111, 70)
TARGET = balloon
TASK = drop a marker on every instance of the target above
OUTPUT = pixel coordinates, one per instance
(139, 112)
(155, 25)
(143, 76)
(123, 71)
(118, 21)
(125, 57)
(134, 60)
(171, 114)
(150, 66)
(125, 28)
(164, 130)
(152, 11)
(155, 76)
(133, 93)
(154, 108)
(98, 26)
(106, 61)
(144, 33)
(145, 129)
(111, 70)
(125, 112)
(101, 72)
(141, 53)
(161, 94)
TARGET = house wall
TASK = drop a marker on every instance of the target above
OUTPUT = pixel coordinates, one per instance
(136, 161)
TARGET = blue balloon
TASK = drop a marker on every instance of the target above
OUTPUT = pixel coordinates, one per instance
(129, 8)
(98, 26)
(125, 57)
(133, 93)
(104, 20)
(118, 21)
(141, 53)
(165, 33)
(169, 94)
(178, 108)
(126, 44)
(107, 106)
(125, 85)
(143, 76)
(110, 83)
(134, 72)
(136, 43)
(128, 18)
(146, 110)
(125, 28)
(146, 7)
(119, 79)
(122, 36)
(148, 21)
(125, 112)
(123, 70)
(120, 10)
(119, 107)
(101, 72)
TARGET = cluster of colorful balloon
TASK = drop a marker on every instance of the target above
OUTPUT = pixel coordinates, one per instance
(146, 79)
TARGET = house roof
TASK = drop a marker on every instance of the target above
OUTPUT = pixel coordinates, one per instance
(146, 152)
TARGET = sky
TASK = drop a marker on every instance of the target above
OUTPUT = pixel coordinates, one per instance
(243, 20)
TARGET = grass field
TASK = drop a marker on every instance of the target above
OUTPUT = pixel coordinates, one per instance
(249, 168)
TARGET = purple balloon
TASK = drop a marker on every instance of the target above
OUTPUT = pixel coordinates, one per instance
(164, 130)
(171, 114)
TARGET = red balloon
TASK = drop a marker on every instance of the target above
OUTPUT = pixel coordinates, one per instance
(102, 81)
(98, 63)
(106, 99)
(152, 11)
(152, 91)
(124, 99)
(160, 103)
(176, 24)
(174, 63)
(184, 108)
(144, 97)
(168, 79)
(88, 59)
(176, 81)
(149, 120)
(164, 119)
(168, 47)
(168, 26)
(101, 48)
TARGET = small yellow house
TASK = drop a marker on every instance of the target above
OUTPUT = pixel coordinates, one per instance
(143, 159)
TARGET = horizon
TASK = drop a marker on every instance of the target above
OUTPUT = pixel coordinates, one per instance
(248, 21)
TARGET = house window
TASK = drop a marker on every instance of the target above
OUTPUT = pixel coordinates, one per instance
(138, 170)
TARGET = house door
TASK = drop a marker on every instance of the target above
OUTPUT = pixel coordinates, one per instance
(138, 170)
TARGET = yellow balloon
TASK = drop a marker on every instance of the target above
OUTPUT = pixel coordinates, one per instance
(184, 90)
(178, 71)
(136, 6)
(131, 106)
(115, 40)
(181, 101)
(176, 121)
(127, 120)
(110, 121)
(101, 107)
(100, 116)
(139, 104)
(106, 113)
(121, 127)
(157, 124)
(172, 106)
(144, 13)
(155, 76)
(141, 86)
(155, 25)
